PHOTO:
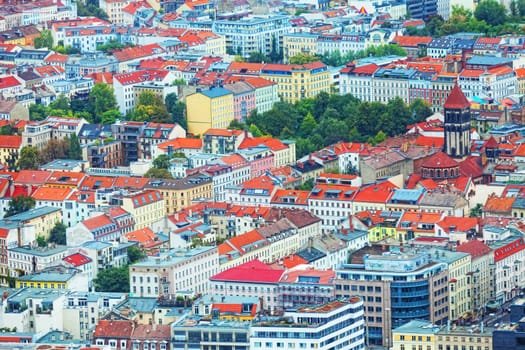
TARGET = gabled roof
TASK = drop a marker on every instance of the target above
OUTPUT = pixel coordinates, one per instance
(459, 224)
(97, 222)
(33, 177)
(52, 194)
(10, 141)
(253, 271)
(498, 204)
(77, 259)
(181, 143)
(71, 178)
(475, 248)
(115, 329)
(96, 182)
(145, 237)
(456, 99)
(375, 193)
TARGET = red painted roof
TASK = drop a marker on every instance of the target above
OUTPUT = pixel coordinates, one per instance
(458, 224)
(253, 271)
(52, 194)
(456, 99)
(439, 160)
(509, 249)
(475, 248)
(77, 259)
(9, 82)
(115, 329)
(376, 193)
(412, 41)
(181, 143)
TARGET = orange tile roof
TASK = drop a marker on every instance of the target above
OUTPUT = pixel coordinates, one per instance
(97, 222)
(498, 204)
(71, 178)
(270, 142)
(223, 132)
(96, 182)
(181, 143)
(411, 41)
(300, 197)
(415, 218)
(51, 194)
(459, 224)
(103, 77)
(130, 182)
(241, 241)
(263, 182)
(235, 160)
(138, 51)
(376, 193)
(56, 57)
(471, 73)
(145, 237)
(520, 72)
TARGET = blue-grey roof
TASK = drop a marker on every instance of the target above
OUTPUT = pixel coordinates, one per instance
(63, 164)
(94, 131)
(53, 275)
(215, 92)
(36, 293)
(519, 203)
(58, 337)
(417, 327)
(407, 195)
(33, 213)
(40, 251)
(96, 245)
(488, 60)
(143, 305)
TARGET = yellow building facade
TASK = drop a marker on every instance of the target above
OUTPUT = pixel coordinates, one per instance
(297, 82)
(146, 207)
(179, 194)
(299, 44)
(208, 109)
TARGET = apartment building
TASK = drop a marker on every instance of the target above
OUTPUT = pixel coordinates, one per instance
(210, 109)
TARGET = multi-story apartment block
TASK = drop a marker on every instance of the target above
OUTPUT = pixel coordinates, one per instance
(509, 270)
(221, 176)
(33, 310)
(124, 85)
(243, 99)
(114, 10)
(222, 141)
(496, 82)
(146, 207)
(174, 272)
(300, 287)
(210, 109)
(395, 293)
(336, 324)
(332, 203)
(128, 133)
(180, 193)
(102, 154)
(301, 43)
(257, 34)
(251, 279)
(82, 311)
(28, 259)
(483, 274)
(155, 133)
(297, 82)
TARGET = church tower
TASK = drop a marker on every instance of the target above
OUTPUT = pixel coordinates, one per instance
(457, 124)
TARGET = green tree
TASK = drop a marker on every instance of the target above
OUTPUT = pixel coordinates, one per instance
(61, 102)
(111, 46)
(135, 254)
(41, 241)
(257, 57)
(254, 130)
(44, 40)
(58, 234)
(420, 110)
(237, 125)
(308, 185)
(115, 280)
(28, 159)
(434, 25)
(303, 59)
(54, 149)
(75, 151)
(38, 112)
(101, 99)
(161, 162)
(156, 173)
(151, 107)
(110, 117)
(491, 11)
(19, 204)
(477, 211)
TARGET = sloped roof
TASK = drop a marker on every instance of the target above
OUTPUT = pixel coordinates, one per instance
(439, 160)
(253, 271)
(456, 99)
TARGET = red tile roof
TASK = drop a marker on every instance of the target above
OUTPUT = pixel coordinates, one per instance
(456, 99)
(131, 182)
(131, 53)
(459, 224)
(32, 177)
(72, 178)
(475, 248)
(498, 204)
(140, 76)
(115, 329)
(97, 182)
(10, 141)
(439, 160)
(375, 193)
(9, 82)
(271, 143)
(253, 271)
(145, 237)
(77, 259)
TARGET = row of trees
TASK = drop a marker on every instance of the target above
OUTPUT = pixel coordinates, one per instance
(336, 59)
(101, 108)
(328, 118)
(490, 17)
(31, 158)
